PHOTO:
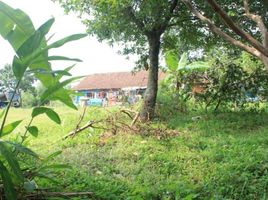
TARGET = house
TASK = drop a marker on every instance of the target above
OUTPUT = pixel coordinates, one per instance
(5, 98)
(112, 87)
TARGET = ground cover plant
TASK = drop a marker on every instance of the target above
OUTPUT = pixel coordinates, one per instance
(221, 156)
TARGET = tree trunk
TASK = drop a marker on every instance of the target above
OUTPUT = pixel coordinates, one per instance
(147, 111)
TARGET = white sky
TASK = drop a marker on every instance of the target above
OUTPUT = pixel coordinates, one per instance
(97, 57)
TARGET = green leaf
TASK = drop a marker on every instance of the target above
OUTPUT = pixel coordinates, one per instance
(18, 68)
(55, 88)
(22, 149)
(9, 189)
(172, 60)
(64, 97)
(36, 40)
(182, 62)
(197, 66)
(67, 70)
(55, 72)
(11, 159)
(33, 130)
(35, 55)
(48, 111)
(63, 41)
(32, 58)
(53, 116)
(51, 156)
(15, 25)
(10, 127)
(30, 186)
(38, 111)
(63, 58)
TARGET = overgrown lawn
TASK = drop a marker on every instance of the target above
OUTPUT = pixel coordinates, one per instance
(223, 156)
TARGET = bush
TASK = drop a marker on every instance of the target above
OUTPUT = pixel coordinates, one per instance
(226, 79)
(28, 100)
(231, 85)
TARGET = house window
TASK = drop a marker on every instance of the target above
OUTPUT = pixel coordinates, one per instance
(90, 94)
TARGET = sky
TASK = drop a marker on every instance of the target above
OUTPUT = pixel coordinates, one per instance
(97, 57)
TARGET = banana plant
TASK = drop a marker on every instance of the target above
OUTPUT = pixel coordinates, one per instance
(178, 68)
(31, 50)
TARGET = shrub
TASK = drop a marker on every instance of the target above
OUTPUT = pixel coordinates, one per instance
(28, 100)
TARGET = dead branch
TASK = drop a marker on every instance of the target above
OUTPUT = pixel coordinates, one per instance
(135, 119)
(81, 118)
(127, 112)
(78, 130)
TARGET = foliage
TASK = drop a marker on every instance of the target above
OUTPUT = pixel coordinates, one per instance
(31, 48)
(8, 81)
(234, 81)
(226, 77)
(28, 100)
(177, 87)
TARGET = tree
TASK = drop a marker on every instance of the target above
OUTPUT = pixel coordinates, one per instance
(8, 81)
(138, 25)
(241, 27)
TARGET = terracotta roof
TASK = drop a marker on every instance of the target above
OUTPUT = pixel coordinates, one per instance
(115, 80)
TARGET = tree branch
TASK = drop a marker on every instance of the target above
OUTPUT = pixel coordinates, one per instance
(259, 22)
(77, 130)
(234, 27)
(219, 32)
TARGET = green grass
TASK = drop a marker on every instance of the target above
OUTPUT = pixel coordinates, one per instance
(222, 156)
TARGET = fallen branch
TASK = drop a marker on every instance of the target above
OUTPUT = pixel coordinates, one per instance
(135, 119)
(128, 111)
(77, 130)
(81, 118)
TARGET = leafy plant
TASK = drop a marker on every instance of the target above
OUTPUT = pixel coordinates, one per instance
(31, 48)
(181, 77)
(234, 82)
(231, 85)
